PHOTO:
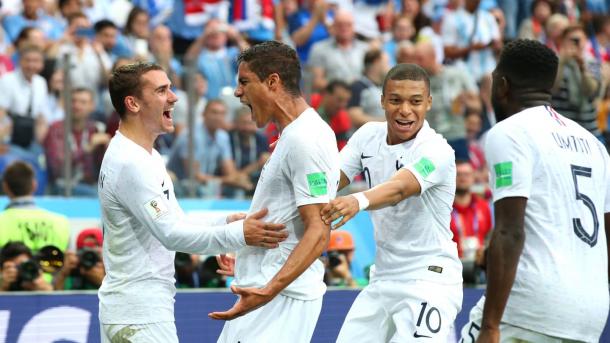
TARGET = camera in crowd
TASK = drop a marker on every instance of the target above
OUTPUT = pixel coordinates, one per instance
(88, 258)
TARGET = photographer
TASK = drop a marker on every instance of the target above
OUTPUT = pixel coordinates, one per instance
(20, 272)
(578, 81)
(339, 254)
(83, 269)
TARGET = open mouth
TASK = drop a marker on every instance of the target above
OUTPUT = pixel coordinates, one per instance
(168, 113)
(405, 124)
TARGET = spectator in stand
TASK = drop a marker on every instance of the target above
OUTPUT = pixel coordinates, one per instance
(470, 220)
(22, 220)
(19, 271)
(68, 8)
(577, 84)
(83, 269)
(515, 11)
(339, 254)
(29, 36)
(332, 107)
(474, 124)
(340, 57)
(136, 32)
(533, 27)
(451, 88)
(471, 36)
(215, 60)
(214, 166)
(90, 63)
(249, 146)
(22, 105)
(162, 53)
(406, 53)
(308, 26)
(364, 105)
(106, 35)
(554, 27)
(34, 15)
(88, 140)
(402, 30)
(55, 101)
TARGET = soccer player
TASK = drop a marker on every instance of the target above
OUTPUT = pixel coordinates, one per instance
(415, 291)
(547, 259)
(143, 223)
(300, 177)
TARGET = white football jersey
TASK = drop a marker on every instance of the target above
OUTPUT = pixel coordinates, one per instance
(143, 226)
(302, 170)
(561, 286)
(413, 238)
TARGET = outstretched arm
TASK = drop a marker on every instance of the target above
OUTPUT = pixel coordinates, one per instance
(310, 247)
(402, 185)
(502, 260)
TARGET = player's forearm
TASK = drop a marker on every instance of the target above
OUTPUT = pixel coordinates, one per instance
(310, 247)
(197, 239)
(502, 260)
(401, 186)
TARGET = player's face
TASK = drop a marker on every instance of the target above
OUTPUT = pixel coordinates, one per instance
(157, 102)
(405, 103)
(253, 93)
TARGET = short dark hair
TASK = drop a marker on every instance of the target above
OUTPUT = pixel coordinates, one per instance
(24, 34)
(18, 177)
(407, 71)
(103, 24)
(13, 249)
(460, 161)
(334, 84)
(371, 57)
(271, 57)
(127, 80)
(526, 62)
(136, 11)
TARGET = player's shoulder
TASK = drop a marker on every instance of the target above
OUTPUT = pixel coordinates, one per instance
(428, 140)
(371, 131)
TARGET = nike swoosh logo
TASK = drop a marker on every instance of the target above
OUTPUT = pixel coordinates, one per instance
(163, 183)
(416, 335)
(362, 156)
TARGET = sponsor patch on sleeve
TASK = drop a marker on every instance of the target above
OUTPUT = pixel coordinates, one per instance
(317, 184)
(156, 207)
(504, 174)
(424, 167)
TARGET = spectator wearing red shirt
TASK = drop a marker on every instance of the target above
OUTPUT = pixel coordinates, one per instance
(471, 216)
(332, 107)
(88, 142)
(331, 104)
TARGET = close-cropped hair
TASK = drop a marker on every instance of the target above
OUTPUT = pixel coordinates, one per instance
(273, 57)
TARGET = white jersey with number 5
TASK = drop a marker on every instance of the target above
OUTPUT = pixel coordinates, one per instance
(561, 286)
(413, 238)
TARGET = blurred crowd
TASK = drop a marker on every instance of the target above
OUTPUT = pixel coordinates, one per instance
(55, 111)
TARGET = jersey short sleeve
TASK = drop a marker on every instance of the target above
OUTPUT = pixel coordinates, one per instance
(309, 168)
(431, 165)
(510, 162)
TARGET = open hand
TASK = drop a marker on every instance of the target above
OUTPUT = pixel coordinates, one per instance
(345, 207)
(249, 300)
(226, 264)
(263, 234)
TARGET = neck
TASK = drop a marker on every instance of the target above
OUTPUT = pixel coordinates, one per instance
(373, 76)
(287, 109)
(463, 198)
(78, 124)
(525, 98)
(344, 43)
(135, 132)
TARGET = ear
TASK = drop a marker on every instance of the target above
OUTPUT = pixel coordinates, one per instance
(131, 104)
(382, 101)
(503, 87)
(273, 81)
(429, 105)
(34, 185)
(6, 190)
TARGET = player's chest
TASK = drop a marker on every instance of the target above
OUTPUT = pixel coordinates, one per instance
(378, 164)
